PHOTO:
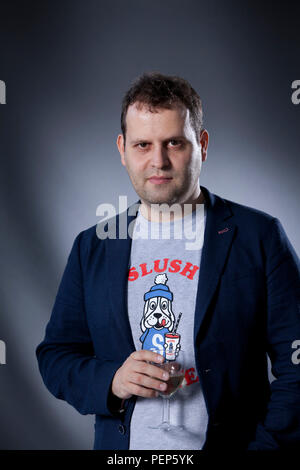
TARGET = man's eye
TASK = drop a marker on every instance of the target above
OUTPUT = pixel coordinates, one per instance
(175, 143)
(142, 144)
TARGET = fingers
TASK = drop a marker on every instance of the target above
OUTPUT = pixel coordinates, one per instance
(151, 370)
(143, 392)
(146, 379)
(137, 377)
(145, 386)
(147, 355)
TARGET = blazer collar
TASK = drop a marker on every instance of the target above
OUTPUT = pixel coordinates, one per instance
(218, 236)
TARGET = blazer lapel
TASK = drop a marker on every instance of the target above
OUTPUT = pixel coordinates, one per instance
(218, 236)
(117, 268)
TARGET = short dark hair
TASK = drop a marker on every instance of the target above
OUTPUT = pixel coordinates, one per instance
(163, 91)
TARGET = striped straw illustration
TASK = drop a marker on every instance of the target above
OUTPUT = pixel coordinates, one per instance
(177, 323)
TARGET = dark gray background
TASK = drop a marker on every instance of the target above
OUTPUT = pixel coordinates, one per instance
(66, 65)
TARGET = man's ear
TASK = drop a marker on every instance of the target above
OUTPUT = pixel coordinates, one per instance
(204, 138)
(120, 145)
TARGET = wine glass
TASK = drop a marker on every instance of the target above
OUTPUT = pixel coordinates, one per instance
(176, 370)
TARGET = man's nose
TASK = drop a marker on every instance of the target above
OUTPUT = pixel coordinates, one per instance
(159, 158)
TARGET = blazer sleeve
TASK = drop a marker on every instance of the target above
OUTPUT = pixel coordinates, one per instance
(281, 425)
(66, 359)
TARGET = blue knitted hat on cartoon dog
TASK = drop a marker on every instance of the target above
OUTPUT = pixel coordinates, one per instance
(159, 289)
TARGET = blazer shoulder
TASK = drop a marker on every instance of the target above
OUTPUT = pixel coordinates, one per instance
(225, 208)
(88, 236)
(84, 242)
(248, 215)
(92, 238)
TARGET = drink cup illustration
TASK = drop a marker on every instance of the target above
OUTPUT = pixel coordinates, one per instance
(171, 342)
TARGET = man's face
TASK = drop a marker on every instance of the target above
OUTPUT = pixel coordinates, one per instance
(162, 145)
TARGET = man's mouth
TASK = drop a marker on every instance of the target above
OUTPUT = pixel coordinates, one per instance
(159, 179)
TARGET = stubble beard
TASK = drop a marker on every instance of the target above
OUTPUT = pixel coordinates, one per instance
(167, 195)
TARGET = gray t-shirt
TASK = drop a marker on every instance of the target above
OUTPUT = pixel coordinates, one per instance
(162, 283)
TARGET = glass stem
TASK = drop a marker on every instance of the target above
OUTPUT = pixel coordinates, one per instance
(166, 411)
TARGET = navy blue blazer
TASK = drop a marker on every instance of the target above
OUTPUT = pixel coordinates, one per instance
(247, 306)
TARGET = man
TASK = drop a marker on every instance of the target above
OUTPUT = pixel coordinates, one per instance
(231, 298)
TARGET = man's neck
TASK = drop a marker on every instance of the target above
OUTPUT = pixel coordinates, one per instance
(155, 214)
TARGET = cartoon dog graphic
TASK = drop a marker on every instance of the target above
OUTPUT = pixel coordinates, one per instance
(158, 317)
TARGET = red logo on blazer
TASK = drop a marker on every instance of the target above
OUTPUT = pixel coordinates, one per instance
(223, 231)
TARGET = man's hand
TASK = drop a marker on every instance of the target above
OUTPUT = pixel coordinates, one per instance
(137, 377)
